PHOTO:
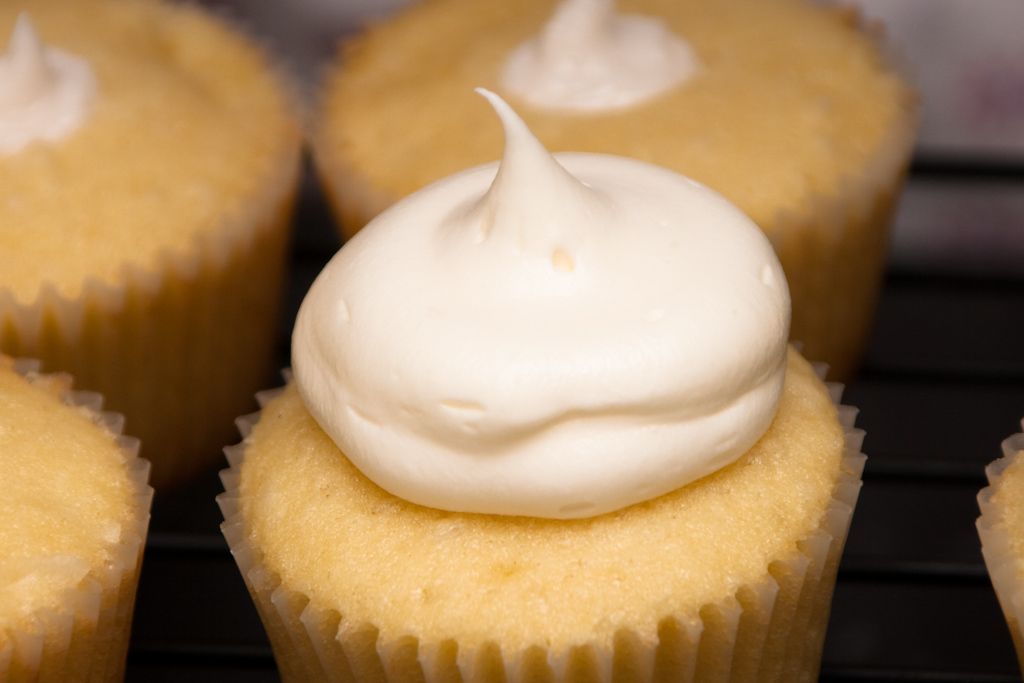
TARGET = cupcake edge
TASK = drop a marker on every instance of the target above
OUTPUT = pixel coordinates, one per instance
(1003, 567)
(770, 630)
(87, 637)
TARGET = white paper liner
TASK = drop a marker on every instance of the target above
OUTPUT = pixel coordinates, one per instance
(86, 639)
(768, 631)
(1004, 567)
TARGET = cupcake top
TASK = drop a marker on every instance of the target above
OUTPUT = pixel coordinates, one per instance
(784, 96)
(546, 337)
(176, 123)
(71, 496)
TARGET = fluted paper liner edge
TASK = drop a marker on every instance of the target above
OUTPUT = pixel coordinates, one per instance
(86, 638)
(1003, 567)
(767, 631)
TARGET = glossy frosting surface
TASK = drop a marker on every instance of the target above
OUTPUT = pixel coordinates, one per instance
(551, 336)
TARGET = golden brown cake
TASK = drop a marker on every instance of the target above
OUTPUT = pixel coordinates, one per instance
(144, 251)
(75, 506)
(1001, 527)
(728, 578)
(809, 133)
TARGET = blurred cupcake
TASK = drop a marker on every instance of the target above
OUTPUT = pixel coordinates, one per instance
(545, 426)
(808, 133)
(75, 506)
(1001, 527)
(148, 160)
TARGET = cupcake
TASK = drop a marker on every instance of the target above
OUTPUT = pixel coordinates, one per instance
(544, 425)
(148, 161)
(809, 136)
(1001, 528)
(75, 508)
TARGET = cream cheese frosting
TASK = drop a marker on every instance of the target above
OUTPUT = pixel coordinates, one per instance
(550, 336)
(589, 58)
(45, 93)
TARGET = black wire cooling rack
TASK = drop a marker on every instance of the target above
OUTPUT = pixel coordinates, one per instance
(942, 384)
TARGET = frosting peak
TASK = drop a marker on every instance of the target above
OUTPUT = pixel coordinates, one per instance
(25, 65)
(589, 58)
(45, 93)
(552, 337)
(533, 202)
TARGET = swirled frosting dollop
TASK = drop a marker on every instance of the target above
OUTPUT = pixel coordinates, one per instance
(590, 58)
(45, 93)
(547, 336)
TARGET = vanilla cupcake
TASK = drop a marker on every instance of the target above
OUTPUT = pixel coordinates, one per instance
(75, 506)
(148, 161)
(544, 426)
(1001, 527)
(788, 109)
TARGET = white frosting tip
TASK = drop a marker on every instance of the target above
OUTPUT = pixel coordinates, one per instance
(533, 202)
(491, 97)
(589, 58)
(24, 38)
(510, 120)
(45, 93)
(25, 55)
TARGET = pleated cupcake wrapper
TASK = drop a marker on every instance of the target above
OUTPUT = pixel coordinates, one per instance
(772, 630)
(86, 637)
(201, 323)
(1004, 567)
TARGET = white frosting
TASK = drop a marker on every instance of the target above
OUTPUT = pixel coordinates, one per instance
(588, 58)
(45, 93)
(546, 338)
